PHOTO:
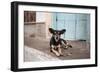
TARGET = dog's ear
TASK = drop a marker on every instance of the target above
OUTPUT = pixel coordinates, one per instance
(51, 30)
(62, 31)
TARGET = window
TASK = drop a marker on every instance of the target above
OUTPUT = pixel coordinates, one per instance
(29, 17)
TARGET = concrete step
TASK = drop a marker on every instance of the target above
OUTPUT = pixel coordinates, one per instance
(32, 54)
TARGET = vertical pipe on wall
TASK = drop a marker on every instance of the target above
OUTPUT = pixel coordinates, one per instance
(56, 21)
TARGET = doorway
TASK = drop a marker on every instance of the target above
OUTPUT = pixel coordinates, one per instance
(76, 25)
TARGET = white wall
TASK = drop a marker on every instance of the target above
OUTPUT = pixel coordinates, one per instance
(5, 36)
(40, 17)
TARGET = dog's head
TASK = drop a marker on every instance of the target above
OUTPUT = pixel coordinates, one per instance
(57, 33)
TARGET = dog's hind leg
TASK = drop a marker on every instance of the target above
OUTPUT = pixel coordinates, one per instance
(65, 44)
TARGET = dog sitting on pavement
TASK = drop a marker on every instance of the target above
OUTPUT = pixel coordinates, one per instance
(57, 43)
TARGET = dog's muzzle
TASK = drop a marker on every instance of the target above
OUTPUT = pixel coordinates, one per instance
(57, 38)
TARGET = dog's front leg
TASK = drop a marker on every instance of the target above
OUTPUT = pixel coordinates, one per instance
(60, 50)
(55, 51)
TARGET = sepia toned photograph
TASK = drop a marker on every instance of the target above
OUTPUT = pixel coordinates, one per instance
(56, 36)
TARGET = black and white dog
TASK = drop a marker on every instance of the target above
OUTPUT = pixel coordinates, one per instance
(56, 42)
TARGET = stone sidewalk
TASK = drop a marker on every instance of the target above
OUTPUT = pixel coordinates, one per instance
(80, 50)
(32, 54)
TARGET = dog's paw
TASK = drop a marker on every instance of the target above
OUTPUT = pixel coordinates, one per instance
(61, 54)
(70, 46)
(69, 54)
(57, 54)
(65, 47)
